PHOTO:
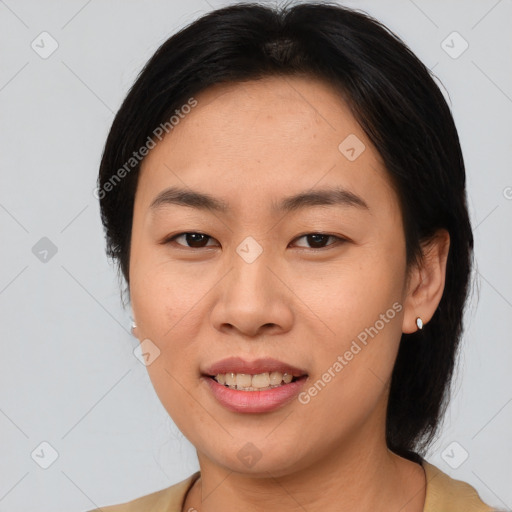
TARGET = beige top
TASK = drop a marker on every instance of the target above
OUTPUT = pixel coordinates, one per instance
(443, 494)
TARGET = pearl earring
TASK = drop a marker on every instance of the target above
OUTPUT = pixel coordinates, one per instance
(419, 323)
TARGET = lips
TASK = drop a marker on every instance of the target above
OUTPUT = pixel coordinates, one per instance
(251, 400)
(239, 365)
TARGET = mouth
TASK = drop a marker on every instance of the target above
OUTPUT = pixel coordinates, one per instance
(258, 375)
(256, 386)
(258, 382)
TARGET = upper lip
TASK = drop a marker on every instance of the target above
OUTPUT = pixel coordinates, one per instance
(239, 365)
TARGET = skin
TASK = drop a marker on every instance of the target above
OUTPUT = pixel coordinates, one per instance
(250, 144)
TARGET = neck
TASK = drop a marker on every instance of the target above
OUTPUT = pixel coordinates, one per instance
(354, 478)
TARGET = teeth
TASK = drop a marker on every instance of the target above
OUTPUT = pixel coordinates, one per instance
(259, 382)
(243, 380)
(275, 378)
(262, 380)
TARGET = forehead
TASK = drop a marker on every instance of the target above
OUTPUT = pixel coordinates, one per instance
(256, 139)
(255, 110)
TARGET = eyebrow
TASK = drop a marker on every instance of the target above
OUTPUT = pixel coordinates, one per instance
(337, 196)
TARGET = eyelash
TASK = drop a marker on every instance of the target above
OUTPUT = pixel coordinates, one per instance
(338, 240)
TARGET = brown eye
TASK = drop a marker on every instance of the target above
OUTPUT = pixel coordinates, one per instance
(319, 240)
(192, 240)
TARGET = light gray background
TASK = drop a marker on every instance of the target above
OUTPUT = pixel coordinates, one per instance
(68, 374)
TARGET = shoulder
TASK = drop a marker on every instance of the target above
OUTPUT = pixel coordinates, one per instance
(444, 493)
(169, 499)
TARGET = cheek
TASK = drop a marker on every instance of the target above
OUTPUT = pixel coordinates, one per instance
(179, 397)
(361, 305)
(165, 298)
(165, 307)
(349, 296)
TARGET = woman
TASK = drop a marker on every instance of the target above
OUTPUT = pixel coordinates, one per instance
(284, 193)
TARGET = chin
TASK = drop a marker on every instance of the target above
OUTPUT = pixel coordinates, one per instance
(258, 459)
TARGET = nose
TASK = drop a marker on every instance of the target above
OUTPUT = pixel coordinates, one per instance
(253, 299)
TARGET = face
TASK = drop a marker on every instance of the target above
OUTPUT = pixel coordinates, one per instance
(315, 284)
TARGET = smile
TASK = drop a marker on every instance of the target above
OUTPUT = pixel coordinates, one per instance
(258, 382)
(257, 386)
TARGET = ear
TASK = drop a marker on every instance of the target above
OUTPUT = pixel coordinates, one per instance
(425, 283)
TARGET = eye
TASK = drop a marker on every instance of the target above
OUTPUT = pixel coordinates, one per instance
(195, 240)
(318, 240)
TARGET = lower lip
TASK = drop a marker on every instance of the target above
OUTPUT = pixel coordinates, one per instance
(255, 401)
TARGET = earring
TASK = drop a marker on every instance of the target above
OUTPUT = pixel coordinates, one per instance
(419, 323)
(133, 325)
